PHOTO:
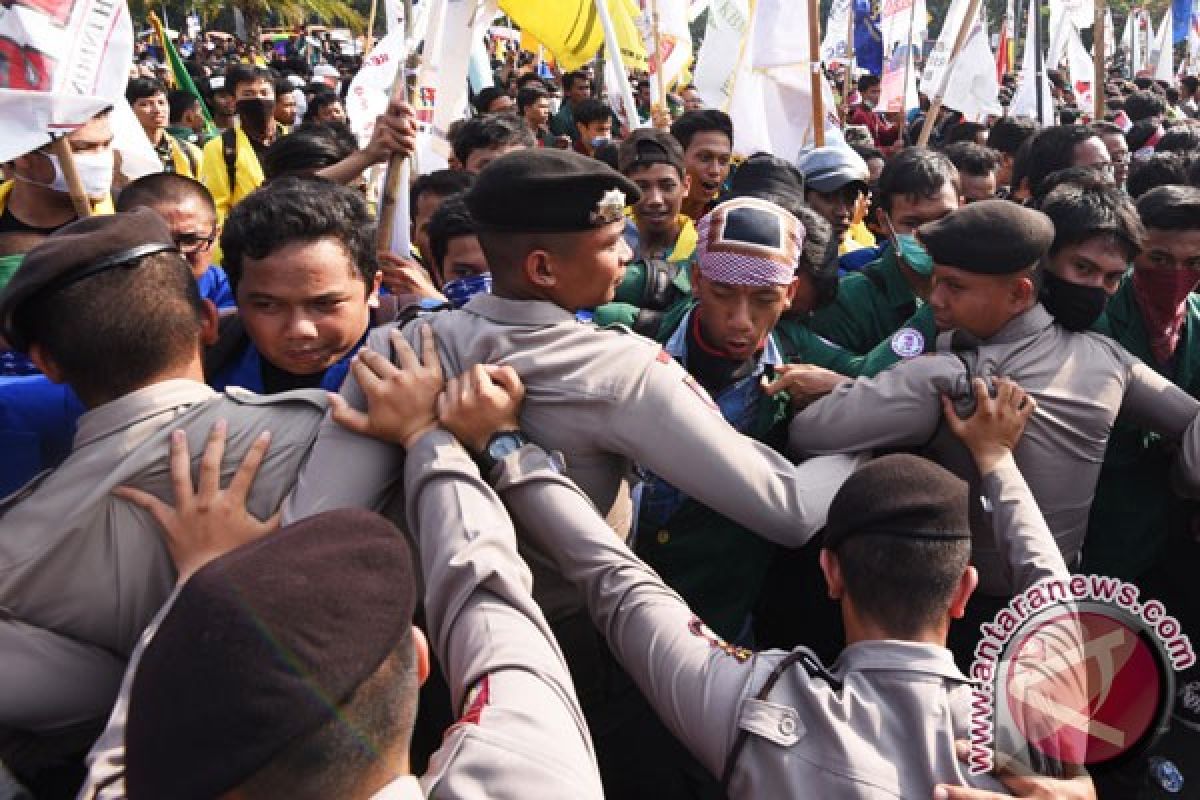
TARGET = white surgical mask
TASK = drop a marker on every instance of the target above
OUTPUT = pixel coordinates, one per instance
(95, 173)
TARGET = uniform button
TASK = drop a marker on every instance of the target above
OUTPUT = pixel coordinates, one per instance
(787, 726)
(663, 537)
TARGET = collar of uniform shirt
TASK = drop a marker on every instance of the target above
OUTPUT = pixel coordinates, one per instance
(895, 655)
(517, 312)
(129, 410)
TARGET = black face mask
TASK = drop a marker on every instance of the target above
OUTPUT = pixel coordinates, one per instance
(1073, 306)
(256, 113)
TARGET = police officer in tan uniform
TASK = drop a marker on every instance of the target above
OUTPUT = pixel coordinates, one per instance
(884, 720)
(550, 224)
(206, 708)
(109, 306)
(986, 260)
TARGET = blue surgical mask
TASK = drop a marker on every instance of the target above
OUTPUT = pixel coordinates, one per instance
(460, 290)
(600, 141)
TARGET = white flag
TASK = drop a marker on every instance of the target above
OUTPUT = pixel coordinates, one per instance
(1110, 37)
(1081, 69)
(1080, 12)
(1025, 101)
(367, 96)
(780, 35)
(972, 88)
(64, 63)
(1193, 39)
(718, 60)
(899, 81)
(675, 40)
(939, 57)
(834, 47)
(1162, 56)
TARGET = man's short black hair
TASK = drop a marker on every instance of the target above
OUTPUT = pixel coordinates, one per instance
(118, 330)
(528, 95)
(1170, 208)
(970, 158)
(488, 131)
(530, 78)
(591, 110)
(1180, 139)
(442, 183)
(181, 102)
(963, 132)
(311, 147)
(1052, 149)
(299, 209)
(1160, 169)
(903, 584)
(159, 189)
(571, 78)
(1009, 133)
(452, 219)
(1145, 104)
(705, 120)
(486, 97)
(247, 73)
(868, 81)
(1090, 206)
(1190, 83)
(319, 101)
(915, 172)
(141, 88)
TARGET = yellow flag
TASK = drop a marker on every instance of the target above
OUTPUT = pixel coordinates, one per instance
(571, 29)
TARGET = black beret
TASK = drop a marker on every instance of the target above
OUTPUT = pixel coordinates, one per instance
(899, 495)
(991, 237)
(77, 251)
(260, 647)
(548, 191)
(647, 146)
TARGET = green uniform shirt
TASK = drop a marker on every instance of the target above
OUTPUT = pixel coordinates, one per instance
(871, 306)
(1134, 510)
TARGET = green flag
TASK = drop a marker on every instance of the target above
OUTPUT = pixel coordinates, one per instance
(183, 79)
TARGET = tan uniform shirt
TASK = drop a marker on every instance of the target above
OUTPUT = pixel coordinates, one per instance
(607, 400)
(1081, 381)
(522, 734)
(83, 571)
(888, 732)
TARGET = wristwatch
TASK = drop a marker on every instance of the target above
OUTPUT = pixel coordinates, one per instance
(501, 445)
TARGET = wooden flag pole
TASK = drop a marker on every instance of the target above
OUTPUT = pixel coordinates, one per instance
(66, 158)
(658, 61)
(960, 39)
(814, 63)
(369, 38)
(848, 84)
(1098, 56)
(395, 168)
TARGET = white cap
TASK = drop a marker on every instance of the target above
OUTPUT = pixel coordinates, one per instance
(326, 71)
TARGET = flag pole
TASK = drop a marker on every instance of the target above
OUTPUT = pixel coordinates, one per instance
(614, 57)
(369, 38)
(1039, 59)
(1098, 56)
(395, 169)
(848, 84)
(960, 39)
(62, 149)
(814, 63)
(658, 60)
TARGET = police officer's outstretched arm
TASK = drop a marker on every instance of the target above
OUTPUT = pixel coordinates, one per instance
(897, 408)
(505, 671)
(695, 682)
(678, 434)
(990, 434)
(1154, 403)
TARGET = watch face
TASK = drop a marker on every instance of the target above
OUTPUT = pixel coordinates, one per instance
(504, 443)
